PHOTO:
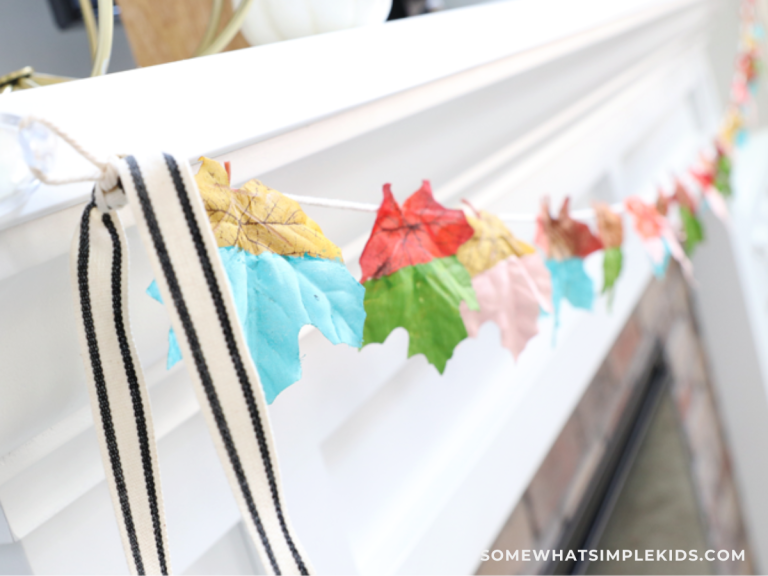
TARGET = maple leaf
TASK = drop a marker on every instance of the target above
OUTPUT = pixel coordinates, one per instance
(415, 234)
(612, 263)
(692, 229)
(257, 218)
(683, 197)
(611, 231)
(276, 294)
(730, 130)
(723, 173)
(563, 237)
(511, 294)
(658, 237)
(705, 175)
(491, 243)
(424, 299)
(609, 225)
(569, 282)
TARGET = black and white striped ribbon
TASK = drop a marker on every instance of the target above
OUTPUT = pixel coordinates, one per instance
(183, 251)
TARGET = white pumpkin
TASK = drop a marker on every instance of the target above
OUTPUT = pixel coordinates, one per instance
(275, 20)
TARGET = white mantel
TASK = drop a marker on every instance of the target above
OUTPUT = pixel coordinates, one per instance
(388, 467)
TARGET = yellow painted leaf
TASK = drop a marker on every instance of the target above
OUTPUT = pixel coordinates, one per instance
(258, 219)
(491, 243)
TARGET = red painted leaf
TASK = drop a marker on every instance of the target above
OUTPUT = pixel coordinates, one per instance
(415, 233)
(563, 237)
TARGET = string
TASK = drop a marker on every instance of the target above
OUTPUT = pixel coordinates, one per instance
(583, 214)
(107, 193)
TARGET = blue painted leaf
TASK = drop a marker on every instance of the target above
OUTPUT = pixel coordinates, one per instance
(570, 282)
(275, 297)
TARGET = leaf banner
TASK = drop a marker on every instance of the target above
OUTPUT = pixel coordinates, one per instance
(424, 299)
(511, 294)
(415, 233)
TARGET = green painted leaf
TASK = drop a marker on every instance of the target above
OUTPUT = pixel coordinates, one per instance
(723, 175)
(424, 299)
(694, 232)
(612, 261)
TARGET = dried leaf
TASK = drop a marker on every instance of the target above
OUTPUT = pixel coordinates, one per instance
(424, 299)
(612, 264)
(610, 226)
(655, 230)
(491, 243)
(511, 294)
(705, 175)
(662, 203)
(572, 283)
(683, 197)
(563, 237)
(723, 173)
(415, 234)
(692, 229)
(275, 297)
(258, 219)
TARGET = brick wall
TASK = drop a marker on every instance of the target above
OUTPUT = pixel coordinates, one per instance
(664, 315)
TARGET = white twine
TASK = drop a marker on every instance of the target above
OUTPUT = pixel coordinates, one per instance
(107, 193)
(583, 214)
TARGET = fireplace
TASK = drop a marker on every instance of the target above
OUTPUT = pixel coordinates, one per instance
(641, 464)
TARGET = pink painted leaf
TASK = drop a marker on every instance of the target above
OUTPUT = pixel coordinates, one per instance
(652, 227)
(511, 293)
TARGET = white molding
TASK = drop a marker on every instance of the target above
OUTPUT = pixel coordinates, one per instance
(291, 86)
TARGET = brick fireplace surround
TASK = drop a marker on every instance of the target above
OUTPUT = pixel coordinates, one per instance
(664, 315)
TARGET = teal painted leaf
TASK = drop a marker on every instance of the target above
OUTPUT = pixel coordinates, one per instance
(424, 299)
(275, 297)
(570, 282)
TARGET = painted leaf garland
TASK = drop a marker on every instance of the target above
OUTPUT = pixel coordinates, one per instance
(412, 277)
(510, 281)
(414, 234)
(424, 299)
(283, 272)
